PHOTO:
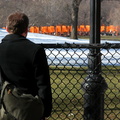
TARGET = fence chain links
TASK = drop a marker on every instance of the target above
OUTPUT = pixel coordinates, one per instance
(68, 69)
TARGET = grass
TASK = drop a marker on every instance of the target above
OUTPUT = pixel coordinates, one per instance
(68, 94)
(114, 38)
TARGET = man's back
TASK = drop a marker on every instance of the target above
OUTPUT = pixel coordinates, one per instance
(24, 64)
(17, 55)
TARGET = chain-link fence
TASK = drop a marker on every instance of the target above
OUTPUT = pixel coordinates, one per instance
(68, 70)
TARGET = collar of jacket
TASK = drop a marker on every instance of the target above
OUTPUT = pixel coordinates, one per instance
(13, 37)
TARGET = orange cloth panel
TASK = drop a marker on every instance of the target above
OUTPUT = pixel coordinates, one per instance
(58, 29)
(44, 29)
(51, 29)
(102, 28)
(32, 29)
(82, 28)
(64, 28)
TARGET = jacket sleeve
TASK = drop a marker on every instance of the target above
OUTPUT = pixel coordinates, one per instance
(43, 80)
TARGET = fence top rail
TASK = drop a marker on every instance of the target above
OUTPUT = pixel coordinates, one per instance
(68, 45)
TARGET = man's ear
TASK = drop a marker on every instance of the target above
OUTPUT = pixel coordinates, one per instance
(25, 33)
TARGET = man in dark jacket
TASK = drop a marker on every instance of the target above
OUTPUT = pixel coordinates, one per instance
(23, 63)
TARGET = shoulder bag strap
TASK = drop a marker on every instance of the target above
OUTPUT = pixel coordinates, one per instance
(3, 85)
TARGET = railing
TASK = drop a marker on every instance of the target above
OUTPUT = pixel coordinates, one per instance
(68, 71)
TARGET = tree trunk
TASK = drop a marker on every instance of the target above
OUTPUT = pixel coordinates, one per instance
(75, 9)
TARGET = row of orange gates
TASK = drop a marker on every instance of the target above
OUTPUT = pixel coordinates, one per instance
(67, 29)
(61, 29)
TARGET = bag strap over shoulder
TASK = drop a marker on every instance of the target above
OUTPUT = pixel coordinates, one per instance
(5, 84)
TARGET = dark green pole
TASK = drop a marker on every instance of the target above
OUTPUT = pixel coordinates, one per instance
(94, 85)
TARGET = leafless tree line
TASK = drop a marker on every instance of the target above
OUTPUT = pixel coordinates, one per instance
(54, 12)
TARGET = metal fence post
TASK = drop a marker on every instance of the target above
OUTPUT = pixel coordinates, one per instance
(94, 85)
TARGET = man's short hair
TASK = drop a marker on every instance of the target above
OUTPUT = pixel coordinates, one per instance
(17, 23)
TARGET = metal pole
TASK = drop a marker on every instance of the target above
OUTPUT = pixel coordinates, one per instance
(94, 85)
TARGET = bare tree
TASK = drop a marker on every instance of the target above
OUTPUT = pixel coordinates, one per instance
(110, 13)
(75, 9)
(54, 12)
(114, 14)
(84, 11)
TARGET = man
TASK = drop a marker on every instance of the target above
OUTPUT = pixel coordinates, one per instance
(24, 63)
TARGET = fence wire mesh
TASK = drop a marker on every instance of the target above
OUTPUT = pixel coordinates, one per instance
(68, 69)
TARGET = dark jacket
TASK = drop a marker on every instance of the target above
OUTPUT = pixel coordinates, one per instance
(24, 64)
